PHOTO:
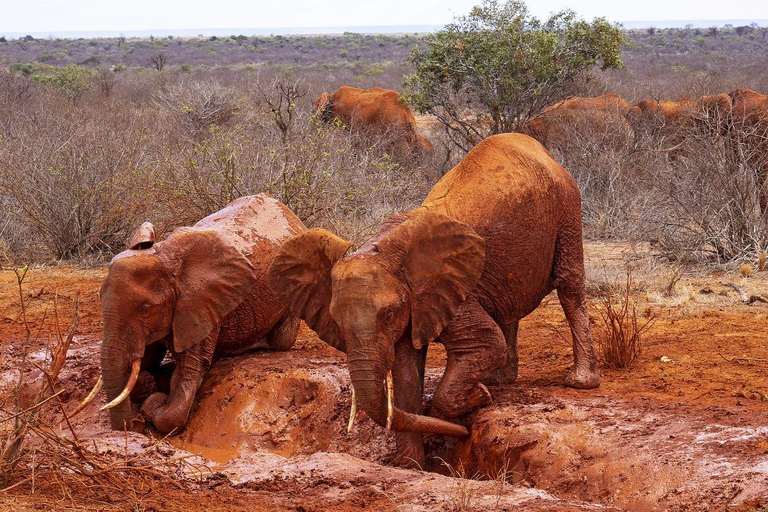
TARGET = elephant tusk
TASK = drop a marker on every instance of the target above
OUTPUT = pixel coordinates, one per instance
(390, 400)
(135, 367)
(352, 412)
(89, 398)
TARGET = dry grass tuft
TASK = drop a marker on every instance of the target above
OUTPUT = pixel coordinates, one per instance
(745, 270)
(620, 338)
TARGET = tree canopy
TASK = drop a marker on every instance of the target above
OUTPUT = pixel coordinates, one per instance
(490, 71)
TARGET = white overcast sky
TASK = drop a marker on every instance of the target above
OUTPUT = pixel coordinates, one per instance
(88, 15)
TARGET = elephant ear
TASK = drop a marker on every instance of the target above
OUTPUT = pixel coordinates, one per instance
(143, 237)
(443, 262)
(212, 278)
(300, 276)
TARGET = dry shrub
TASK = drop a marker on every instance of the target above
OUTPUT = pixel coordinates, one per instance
(708, 202)
(75, 180)
(198, 106)
(620, 332)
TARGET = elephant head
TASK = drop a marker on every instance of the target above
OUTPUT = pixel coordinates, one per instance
(178, 290)
(406, 283)
(323, 107)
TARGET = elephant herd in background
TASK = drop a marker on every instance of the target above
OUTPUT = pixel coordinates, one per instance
(495, 235)
(740, 117)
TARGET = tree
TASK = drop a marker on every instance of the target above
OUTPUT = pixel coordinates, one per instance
(72, 81)
(158, 60)
(492, 70)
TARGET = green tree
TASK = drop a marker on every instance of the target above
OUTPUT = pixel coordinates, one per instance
(72, 81)
(490, 71)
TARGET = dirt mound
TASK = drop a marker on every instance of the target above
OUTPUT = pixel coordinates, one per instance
(608, 450)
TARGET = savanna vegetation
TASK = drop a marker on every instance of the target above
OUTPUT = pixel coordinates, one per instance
(100, 134)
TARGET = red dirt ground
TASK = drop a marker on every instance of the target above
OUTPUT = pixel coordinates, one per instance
(685, 429)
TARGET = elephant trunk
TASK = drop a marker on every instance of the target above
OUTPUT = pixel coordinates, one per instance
(118, 367)
(368, 376)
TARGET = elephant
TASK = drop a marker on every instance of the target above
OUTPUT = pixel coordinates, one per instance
(200, 294)
(378, 113)
(492, 238)
(562, 126)
(675, 121)
(749, 135)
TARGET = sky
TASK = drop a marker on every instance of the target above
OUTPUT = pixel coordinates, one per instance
(51, 16)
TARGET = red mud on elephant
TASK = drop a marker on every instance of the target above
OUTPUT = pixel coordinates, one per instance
(495, 235)
(199, 294)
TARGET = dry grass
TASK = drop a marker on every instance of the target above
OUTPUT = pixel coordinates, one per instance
(620, 331)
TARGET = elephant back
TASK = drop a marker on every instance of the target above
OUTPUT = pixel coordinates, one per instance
(256, 225)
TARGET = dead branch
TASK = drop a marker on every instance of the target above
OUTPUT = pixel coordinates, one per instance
(742, 296)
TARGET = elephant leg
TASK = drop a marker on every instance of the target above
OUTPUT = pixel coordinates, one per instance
(568, 273)
(507, 374)
(408, 380)
(283, 335)
(584, 374)
(476, 346)
(169, 412)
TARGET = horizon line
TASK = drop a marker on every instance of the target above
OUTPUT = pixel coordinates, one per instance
(341, 29)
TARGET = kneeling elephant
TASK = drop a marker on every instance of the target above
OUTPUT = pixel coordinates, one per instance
(201, 293)
(495, 235)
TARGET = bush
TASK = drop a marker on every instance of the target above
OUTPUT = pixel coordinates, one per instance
(71, 81)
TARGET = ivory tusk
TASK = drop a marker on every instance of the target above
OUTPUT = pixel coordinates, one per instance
(352, 412)
(89, 398)
(135, 367)
(390, 400)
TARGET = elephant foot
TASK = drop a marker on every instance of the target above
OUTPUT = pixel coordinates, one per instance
(138, 424)
(501, 377)
(582, 379)
(455, 405)
(410, 450)
(155, 409)
(479, 397)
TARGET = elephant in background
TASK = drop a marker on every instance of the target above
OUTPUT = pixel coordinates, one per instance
(564, 126)
(376, 113)
(199, 294)
(494, 236)
(749, 129)
(675, 121)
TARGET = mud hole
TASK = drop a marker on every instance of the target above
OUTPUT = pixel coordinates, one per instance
(269, 430)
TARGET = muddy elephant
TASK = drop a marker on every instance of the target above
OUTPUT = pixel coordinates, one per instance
(199, 294)
(493, 237)
(749, 136)
(567, 126)
(673, 122)
(376, 113)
